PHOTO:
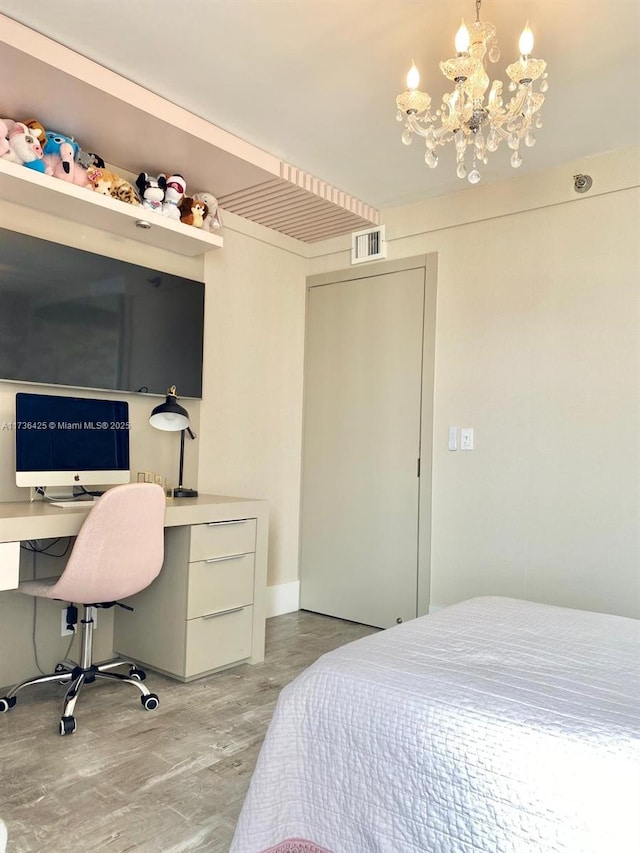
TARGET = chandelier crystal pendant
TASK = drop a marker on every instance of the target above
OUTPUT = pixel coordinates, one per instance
(477, 127)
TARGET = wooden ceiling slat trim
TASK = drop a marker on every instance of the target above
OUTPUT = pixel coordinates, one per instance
(317, 217)
(271, 189)
(304, 208)
(283, 199)
(304, 232)
(301, 206)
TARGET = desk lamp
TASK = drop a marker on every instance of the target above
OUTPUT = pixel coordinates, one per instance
(171, 417)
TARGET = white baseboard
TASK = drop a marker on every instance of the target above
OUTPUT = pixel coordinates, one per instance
(433, 608)
(283, 598)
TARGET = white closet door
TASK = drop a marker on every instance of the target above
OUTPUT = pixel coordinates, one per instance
(360, 489)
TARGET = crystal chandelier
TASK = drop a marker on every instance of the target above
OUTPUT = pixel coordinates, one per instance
(476, 127)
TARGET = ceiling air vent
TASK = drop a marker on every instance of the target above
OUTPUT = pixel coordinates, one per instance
(368, 245)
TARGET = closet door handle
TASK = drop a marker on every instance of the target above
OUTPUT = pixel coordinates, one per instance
(223, 613)
(222, 559)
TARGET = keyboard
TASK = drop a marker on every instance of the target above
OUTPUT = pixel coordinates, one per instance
(72, 504)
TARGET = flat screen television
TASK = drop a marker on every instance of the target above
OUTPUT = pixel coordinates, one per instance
(71, 441)
(74, 318)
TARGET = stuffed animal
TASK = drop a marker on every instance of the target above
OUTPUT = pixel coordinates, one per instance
(88, 159)
(174, 193)
(151, 191)
(24, 148)
(60, 155)
(37, 129)
(5, 126)
(213, 219)
(64, 146)
(108, 183)
(193, 212)
(8, 127)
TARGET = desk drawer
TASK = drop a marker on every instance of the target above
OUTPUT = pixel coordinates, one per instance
(221, 538)
(220, 583)
(215, 641)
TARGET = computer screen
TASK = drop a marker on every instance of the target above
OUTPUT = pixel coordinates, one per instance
(71, 441)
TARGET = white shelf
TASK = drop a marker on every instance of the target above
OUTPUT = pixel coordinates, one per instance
(77, 204)
(137, 130)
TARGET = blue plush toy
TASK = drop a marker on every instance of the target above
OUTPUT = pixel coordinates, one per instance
(54, 143)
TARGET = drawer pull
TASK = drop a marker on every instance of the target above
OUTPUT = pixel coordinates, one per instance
(223, 613)
(235, 521)
(222, 559)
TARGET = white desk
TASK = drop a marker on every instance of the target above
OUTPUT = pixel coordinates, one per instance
(193, 527)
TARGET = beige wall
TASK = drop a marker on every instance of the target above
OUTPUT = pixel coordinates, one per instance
(251, 423)
(537, 349)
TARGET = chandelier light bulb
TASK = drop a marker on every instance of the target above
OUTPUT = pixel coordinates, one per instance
(413, 77)
(525, 44)
(462, 40)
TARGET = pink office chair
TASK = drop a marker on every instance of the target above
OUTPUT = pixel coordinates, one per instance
(118, 552)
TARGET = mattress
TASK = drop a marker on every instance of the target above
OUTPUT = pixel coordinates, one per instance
(494, 725)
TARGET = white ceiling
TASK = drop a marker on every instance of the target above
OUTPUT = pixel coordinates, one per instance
(313, 82)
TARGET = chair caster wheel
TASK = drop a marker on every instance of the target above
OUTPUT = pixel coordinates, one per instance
(138, 674)
(150, 702)
(67, 725)
(7, 703)
(62, 669)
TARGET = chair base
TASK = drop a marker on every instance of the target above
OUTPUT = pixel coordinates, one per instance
(76, 675)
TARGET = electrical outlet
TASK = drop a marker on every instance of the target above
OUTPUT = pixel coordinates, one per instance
(64, 631)
(466, 438)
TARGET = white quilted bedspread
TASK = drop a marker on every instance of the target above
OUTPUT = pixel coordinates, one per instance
(495, 725)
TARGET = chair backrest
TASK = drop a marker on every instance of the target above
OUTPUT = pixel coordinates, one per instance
(119, 549)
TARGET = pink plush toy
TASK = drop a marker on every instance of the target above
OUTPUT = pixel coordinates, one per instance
(60, 153)
(25, 148)
(5, 126)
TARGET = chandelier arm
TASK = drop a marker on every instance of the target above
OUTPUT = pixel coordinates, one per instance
(417, 128)
(516, 104)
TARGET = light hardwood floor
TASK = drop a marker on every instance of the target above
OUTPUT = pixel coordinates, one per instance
(163, 781)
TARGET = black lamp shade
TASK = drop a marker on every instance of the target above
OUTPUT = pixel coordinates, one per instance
(170, 415)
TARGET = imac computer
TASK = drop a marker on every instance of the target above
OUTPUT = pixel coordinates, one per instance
(71, 441)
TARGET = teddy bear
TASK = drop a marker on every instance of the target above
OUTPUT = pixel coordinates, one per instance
(108, 183)
(151, 191)
(174, 193)
(24, 148)
(193, 212)
(213, 219)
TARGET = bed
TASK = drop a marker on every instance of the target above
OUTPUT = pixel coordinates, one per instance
(494, 725)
